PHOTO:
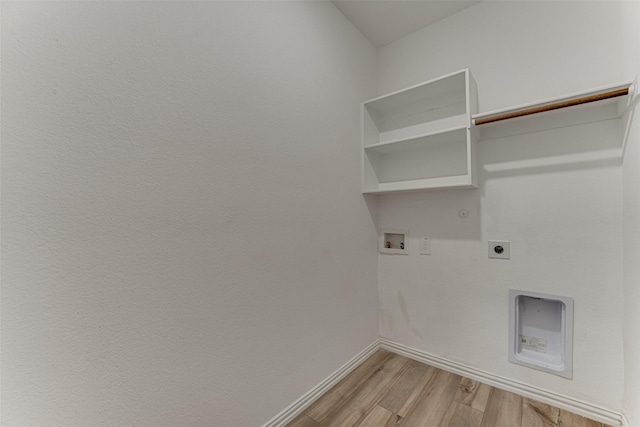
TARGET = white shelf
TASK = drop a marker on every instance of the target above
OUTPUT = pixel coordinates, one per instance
(450, 182)
(569, 116)
(422, 129)
(419, 138)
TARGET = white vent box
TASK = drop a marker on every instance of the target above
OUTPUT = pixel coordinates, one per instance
(541, 332)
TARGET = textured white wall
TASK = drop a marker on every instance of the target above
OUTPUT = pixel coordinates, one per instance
(631, 225)
(556, 195)
(184, 238)
(520, 52)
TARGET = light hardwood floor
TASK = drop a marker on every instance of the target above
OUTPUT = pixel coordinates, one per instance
(390, 390)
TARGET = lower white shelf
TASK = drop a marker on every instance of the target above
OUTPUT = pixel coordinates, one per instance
(443, 160)
(450, 182)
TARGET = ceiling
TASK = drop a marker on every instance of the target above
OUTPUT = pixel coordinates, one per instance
(385, 21)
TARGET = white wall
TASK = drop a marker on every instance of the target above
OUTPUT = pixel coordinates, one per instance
(184, 238)
(631, 233)
(556, 195)
(630, 15)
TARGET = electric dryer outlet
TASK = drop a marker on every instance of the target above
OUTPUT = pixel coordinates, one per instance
(499, 249)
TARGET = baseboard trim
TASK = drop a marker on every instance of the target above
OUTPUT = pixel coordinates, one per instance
(576, 406)
(585, 409)
(625, 421)
(296, 408)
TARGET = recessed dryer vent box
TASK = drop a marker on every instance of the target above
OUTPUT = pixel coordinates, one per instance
(394, 242)
(541, 332)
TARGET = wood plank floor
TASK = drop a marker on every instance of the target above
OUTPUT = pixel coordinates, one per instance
(391, 390)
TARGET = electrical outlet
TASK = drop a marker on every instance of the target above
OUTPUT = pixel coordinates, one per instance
(499, 249)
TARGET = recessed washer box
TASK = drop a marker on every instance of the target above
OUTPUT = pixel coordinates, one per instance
(541, 332)
(394, 242)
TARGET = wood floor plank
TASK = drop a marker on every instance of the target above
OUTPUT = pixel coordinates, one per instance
(433, 403)
(379, 417)
(473, 393)
(358, 405)
(504, 409)
(362, 372)
(320, 409)
(302, 421)
(401, 397)
(389, 390)
(568, 419)
(460, 415)
(536, 414)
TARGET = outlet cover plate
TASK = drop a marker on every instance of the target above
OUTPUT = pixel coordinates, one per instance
(496, 244)
(425, 246)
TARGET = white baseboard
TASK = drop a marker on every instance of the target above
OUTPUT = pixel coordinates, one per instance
(296, 408)
(585, 409)
(576, 406)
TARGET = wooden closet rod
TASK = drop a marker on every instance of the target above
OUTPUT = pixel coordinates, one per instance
(553, 106)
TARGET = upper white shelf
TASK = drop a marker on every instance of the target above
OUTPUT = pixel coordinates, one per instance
(420, 108)
(602, 103)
